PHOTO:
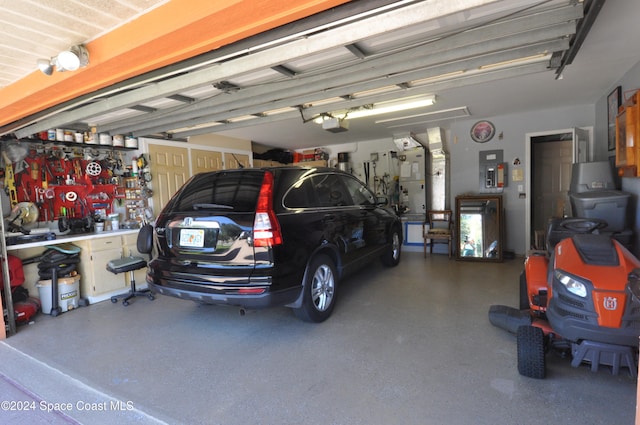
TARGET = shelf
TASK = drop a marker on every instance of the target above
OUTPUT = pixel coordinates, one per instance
(75, 145)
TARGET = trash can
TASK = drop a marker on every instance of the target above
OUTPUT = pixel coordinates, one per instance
(68, 293)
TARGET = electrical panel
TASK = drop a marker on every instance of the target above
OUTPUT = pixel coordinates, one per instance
(493, 171)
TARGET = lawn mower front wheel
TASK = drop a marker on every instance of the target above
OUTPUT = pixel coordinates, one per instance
(531, 352)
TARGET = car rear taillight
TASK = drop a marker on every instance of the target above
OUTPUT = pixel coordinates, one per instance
(266, 229)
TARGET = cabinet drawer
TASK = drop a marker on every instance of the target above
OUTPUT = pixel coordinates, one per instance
(102, 244)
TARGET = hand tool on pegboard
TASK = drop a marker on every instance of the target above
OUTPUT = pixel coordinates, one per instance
(40, 202)
(9, 181)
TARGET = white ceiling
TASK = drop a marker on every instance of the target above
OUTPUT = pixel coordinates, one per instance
(40, 29)
(397, 47)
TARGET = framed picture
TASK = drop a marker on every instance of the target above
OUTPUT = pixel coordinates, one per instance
(483, 131)
(613, 103)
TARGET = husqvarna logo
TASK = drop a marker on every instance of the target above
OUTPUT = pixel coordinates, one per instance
(610, 303)
(188, 221)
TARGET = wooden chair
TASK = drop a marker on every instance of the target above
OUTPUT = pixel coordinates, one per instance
(440, 230)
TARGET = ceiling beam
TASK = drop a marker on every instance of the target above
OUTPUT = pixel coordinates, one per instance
(169, 33)
(359, 77)
(592, 11)
(472, 64)
(541, 25)
(344, 34)
(431, 88)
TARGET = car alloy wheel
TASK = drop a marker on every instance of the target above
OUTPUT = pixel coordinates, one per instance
(323, 288)
(320, 289)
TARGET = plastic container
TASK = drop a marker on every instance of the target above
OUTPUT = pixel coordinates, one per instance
(118, 140)
(609, 205)
(591, 176)
(130, 142)
(68, 293)
(105, 139)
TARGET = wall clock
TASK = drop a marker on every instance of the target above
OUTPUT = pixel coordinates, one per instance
(482, 131)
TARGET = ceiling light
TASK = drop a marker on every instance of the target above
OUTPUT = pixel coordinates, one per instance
(46, 66)
(68, 60)
(388, 107)
(518, 61)
(371, 92)
(381, 108)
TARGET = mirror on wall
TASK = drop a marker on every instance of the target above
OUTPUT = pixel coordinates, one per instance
(479, 228)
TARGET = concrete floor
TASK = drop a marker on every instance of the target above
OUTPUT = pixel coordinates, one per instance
(410, 345)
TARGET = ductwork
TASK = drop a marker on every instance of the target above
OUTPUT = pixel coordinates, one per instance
(439, 192)
(406, 141)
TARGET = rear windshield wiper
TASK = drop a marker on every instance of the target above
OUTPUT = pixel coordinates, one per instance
(211, 207)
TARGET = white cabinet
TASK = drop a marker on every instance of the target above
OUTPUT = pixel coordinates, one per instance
(96, 283)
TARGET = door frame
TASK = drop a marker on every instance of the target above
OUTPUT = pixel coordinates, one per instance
(528, 171)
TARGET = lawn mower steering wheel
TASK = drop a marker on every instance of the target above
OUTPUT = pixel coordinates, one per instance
(583, 225)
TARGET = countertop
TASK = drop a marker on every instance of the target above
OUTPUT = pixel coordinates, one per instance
(73, 238)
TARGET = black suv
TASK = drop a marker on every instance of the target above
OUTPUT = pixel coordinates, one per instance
(278, 236)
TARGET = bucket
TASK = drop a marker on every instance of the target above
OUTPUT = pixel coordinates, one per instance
(130, 142)
(118, 140)
(343, 161)
(105, 139)
(68, 293)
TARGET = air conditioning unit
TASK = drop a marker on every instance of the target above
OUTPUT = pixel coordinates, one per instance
(335, 125)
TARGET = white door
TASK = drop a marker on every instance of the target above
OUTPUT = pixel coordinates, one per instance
(550, 156)
(551, 178)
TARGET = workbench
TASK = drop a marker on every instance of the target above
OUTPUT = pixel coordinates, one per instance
(97, 249)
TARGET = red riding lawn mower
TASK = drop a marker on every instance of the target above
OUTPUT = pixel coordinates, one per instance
(581, 298)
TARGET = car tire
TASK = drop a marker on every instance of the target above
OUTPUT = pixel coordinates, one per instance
(319, 290)
(531, 352)
(391, 256)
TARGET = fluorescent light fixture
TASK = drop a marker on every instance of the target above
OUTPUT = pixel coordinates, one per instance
(380, 108)
(388, 107)
(242, 118)
(279, 111)
(442, 114)
(380, 90)
(435, 78)
(519, 61)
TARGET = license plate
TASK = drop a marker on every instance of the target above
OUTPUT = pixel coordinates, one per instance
(193, 238)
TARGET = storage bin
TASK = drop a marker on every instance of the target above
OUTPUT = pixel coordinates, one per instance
(609, 205)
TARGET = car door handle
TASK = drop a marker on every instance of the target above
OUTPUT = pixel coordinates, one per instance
(330, 217)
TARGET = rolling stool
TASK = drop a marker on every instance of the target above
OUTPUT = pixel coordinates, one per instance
(130, 264)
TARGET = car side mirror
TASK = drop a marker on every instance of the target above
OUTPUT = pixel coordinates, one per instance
(382, 200)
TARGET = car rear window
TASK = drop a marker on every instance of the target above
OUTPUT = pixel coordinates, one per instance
(234, 191)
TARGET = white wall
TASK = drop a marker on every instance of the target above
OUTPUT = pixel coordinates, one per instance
(510, 137)
(359, 152)
(629, 83)
(464, 153)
